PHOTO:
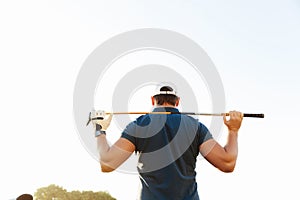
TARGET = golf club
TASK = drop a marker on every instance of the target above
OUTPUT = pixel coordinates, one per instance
(254, 115)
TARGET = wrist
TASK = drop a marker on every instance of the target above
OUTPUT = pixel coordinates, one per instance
(99, 132)
(233, 131)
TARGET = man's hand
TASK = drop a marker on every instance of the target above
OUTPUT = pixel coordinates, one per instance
(235, 120)
(101, 120)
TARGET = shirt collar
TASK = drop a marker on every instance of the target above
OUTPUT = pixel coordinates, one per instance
(165, 109)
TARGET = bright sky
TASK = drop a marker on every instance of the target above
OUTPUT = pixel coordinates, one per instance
(254, 45)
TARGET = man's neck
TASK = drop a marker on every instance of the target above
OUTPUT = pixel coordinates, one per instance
(164, 105)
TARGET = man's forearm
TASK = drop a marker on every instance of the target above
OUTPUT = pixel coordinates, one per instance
(231, 147)
(105, 158)
(103, 147)
(111, 157)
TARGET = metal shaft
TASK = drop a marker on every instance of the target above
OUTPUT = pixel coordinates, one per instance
(184, 113)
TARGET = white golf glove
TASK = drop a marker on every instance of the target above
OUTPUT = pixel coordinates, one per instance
(100, 119)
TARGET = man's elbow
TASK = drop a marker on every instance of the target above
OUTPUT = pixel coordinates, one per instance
(106, 168)
(228, 170)
(228, 167)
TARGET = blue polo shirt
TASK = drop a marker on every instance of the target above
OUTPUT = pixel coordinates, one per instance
(168, 147)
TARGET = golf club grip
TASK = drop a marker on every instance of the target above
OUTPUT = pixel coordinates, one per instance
(254, 115)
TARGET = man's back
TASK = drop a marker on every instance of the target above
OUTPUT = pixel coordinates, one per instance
(168, 147)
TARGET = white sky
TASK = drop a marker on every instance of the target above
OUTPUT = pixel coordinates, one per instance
(255, 46)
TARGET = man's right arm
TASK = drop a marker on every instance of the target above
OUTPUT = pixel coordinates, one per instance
(224, 158)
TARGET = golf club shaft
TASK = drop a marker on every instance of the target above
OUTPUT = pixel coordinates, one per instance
(186, 113)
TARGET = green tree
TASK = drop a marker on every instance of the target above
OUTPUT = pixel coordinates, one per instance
(53, 192)
(75, 195)
(89, 195)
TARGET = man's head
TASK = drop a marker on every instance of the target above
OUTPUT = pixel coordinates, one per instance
(165, 95)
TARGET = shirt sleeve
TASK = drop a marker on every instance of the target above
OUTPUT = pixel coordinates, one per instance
(128, 133)
(204, 134)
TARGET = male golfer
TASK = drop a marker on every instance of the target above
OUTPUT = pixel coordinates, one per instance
(168, 146)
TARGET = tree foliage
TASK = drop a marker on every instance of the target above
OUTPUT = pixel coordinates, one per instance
(54, 192)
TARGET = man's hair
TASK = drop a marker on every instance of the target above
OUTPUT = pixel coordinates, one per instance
(166, 98)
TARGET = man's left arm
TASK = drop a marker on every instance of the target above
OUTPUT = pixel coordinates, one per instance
(112, 157)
